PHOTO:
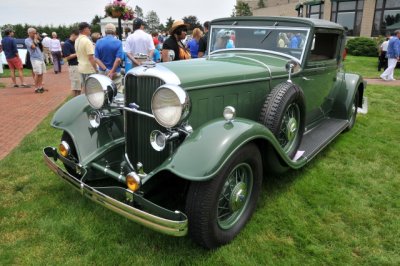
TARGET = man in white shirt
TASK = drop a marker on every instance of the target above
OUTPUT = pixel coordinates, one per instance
(46, 48)
(139, 42)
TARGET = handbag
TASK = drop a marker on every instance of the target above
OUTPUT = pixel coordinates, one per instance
(184, 54)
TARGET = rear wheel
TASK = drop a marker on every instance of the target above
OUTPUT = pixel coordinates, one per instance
(353, 112)
(219, 208)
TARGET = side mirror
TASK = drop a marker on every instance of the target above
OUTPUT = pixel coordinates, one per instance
(292, 67)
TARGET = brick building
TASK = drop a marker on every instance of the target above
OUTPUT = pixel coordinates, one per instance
(360, 17)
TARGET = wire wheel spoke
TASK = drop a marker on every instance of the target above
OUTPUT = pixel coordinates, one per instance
(234, 195)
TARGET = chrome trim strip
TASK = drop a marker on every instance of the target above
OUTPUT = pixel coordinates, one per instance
(159, 71)
(166, 226)
(136, 111)
(261, 63)
(256, 50)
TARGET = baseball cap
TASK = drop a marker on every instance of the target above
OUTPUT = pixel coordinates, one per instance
(83, 25)
(137, 22)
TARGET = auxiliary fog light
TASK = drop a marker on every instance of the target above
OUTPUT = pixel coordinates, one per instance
(64, 149)
(229, 113)
(158, 140)
(133, 181)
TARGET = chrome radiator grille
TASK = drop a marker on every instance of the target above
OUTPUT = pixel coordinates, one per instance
(139, 90)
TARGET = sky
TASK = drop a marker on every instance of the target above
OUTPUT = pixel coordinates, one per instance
(56, 12)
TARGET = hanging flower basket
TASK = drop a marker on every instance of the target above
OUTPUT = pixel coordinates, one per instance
(119, 9)
(116, 14)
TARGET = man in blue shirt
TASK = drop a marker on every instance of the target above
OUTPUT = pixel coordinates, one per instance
(393, 54)
(11, 52)
(108, 54)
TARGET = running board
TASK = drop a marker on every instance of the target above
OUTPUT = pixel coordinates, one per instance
(319, 137)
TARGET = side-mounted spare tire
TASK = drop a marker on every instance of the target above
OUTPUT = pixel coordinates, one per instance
(284, 114)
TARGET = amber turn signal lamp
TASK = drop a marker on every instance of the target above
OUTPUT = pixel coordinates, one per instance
(64, 149)
(133, 181)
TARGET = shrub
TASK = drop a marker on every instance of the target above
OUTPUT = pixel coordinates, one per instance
(362, 46)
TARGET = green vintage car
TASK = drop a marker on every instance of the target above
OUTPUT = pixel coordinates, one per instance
(185, 148)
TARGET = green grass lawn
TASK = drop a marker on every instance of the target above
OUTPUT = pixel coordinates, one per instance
(365, 66)
(341, 209)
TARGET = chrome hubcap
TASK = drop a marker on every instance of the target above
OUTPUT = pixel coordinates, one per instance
(234, 196)
(291, 129)
(238, 196)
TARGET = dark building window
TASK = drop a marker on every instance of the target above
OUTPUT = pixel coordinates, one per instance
(315, 11)
(349, 15)
(387, 17)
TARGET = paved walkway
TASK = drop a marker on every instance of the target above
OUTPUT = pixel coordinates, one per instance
(383, 82)
(22, 110)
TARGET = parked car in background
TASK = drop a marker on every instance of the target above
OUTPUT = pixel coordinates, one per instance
(22, 51)
(185, 149)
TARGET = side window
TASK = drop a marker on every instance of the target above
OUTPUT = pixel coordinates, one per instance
(324, 46)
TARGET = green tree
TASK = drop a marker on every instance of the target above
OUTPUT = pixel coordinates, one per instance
(193, 22)
(169, 23)
(261, 4)
(138, 12)
(241, 9)
(152, 21)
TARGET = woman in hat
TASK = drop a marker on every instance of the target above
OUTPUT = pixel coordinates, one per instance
(173, 48)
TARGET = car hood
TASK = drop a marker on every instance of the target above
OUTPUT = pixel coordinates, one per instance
(227, 68)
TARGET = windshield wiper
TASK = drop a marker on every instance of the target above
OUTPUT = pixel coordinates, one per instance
(266, 35)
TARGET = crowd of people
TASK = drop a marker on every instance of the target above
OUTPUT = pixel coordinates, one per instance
(87, 53)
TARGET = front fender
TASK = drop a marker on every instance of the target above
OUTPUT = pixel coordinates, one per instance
(72, 117)
(207, 149)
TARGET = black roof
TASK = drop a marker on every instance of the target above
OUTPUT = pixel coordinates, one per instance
(320, 23)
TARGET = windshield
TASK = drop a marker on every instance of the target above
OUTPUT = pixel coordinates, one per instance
(289, 41)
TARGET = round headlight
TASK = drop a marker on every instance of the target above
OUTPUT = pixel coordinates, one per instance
(170, 105)
(99, 90)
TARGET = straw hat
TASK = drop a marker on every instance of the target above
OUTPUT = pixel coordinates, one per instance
(177, 23)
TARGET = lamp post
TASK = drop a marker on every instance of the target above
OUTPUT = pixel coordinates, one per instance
(119, 26)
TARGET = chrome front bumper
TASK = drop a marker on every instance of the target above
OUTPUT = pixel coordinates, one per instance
(122, 201)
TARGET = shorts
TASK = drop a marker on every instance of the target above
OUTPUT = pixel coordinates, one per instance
(83, 79)
(38, 67)
(75, 78)
(15, 63)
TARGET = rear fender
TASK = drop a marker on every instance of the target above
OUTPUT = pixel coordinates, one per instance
(344, 99)
(207, 149)
(73, 116)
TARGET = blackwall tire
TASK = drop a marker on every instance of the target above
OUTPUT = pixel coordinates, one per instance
(284, 114)
(219, 208)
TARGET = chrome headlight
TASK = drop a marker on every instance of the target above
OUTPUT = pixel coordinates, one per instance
(170, 105)
(99, 90)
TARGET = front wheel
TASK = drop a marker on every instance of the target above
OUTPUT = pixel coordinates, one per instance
(219, 208)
